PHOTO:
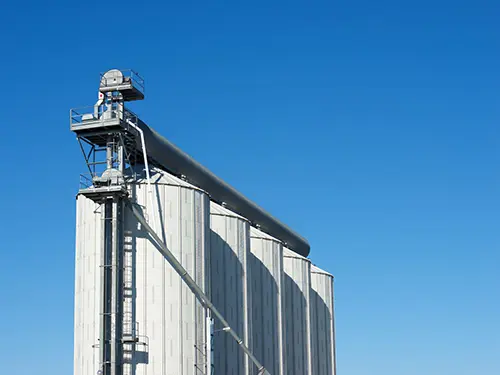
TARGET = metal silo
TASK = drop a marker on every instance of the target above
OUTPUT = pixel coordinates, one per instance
(266, 272)
(169, 317)
(322, 323)
(296, 313)
(164, 325)
(229, 256)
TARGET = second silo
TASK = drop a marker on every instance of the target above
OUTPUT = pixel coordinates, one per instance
(266, 270)
(230, 250)
(296, 313)
(322, 323)
(170, 320)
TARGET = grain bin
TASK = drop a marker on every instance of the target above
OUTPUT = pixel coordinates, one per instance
(296, 313)
(229, 255)
(160, 313)
(168, 314)
(266, 270)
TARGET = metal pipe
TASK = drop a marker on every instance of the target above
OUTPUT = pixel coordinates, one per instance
(102, 302)
(109, 153)
(106, 289)
(146, 166)
(198, 292)
(117, 286)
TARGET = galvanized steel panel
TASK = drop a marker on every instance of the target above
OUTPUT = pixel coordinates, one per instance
(296, 313)
(322, 323)
(230, 250)
(266, 270)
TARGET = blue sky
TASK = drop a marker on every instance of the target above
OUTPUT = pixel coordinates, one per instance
(372, 128)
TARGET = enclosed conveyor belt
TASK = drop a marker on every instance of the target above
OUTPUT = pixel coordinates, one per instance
(172, 159)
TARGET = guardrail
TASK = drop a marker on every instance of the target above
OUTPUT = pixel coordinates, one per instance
(78, 116)
(86, 181)
(129, 75)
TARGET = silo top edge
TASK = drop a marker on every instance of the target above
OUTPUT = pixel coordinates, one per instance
(257, 233)
(161, 177)
(317, 270)
(219, 210)
(287, 253)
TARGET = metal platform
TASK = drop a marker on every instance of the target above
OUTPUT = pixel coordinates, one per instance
(95, 124)
(127, 82)
(99, 194)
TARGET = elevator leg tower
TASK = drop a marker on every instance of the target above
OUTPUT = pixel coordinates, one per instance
(108, 134)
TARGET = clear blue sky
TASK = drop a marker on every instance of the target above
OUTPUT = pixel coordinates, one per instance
(372, 128)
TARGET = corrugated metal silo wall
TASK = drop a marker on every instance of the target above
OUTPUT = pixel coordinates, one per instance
(322, 323)
(169, 317)
(167, 311)
(296, 313)
(266, 272)
(230, 250)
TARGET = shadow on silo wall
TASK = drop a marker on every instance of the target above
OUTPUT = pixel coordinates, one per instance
(322, 338)
(139, 354)
(265, 315)
(295, 327)
(227, 288)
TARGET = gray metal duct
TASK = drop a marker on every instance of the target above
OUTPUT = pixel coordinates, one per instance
(170, 158)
